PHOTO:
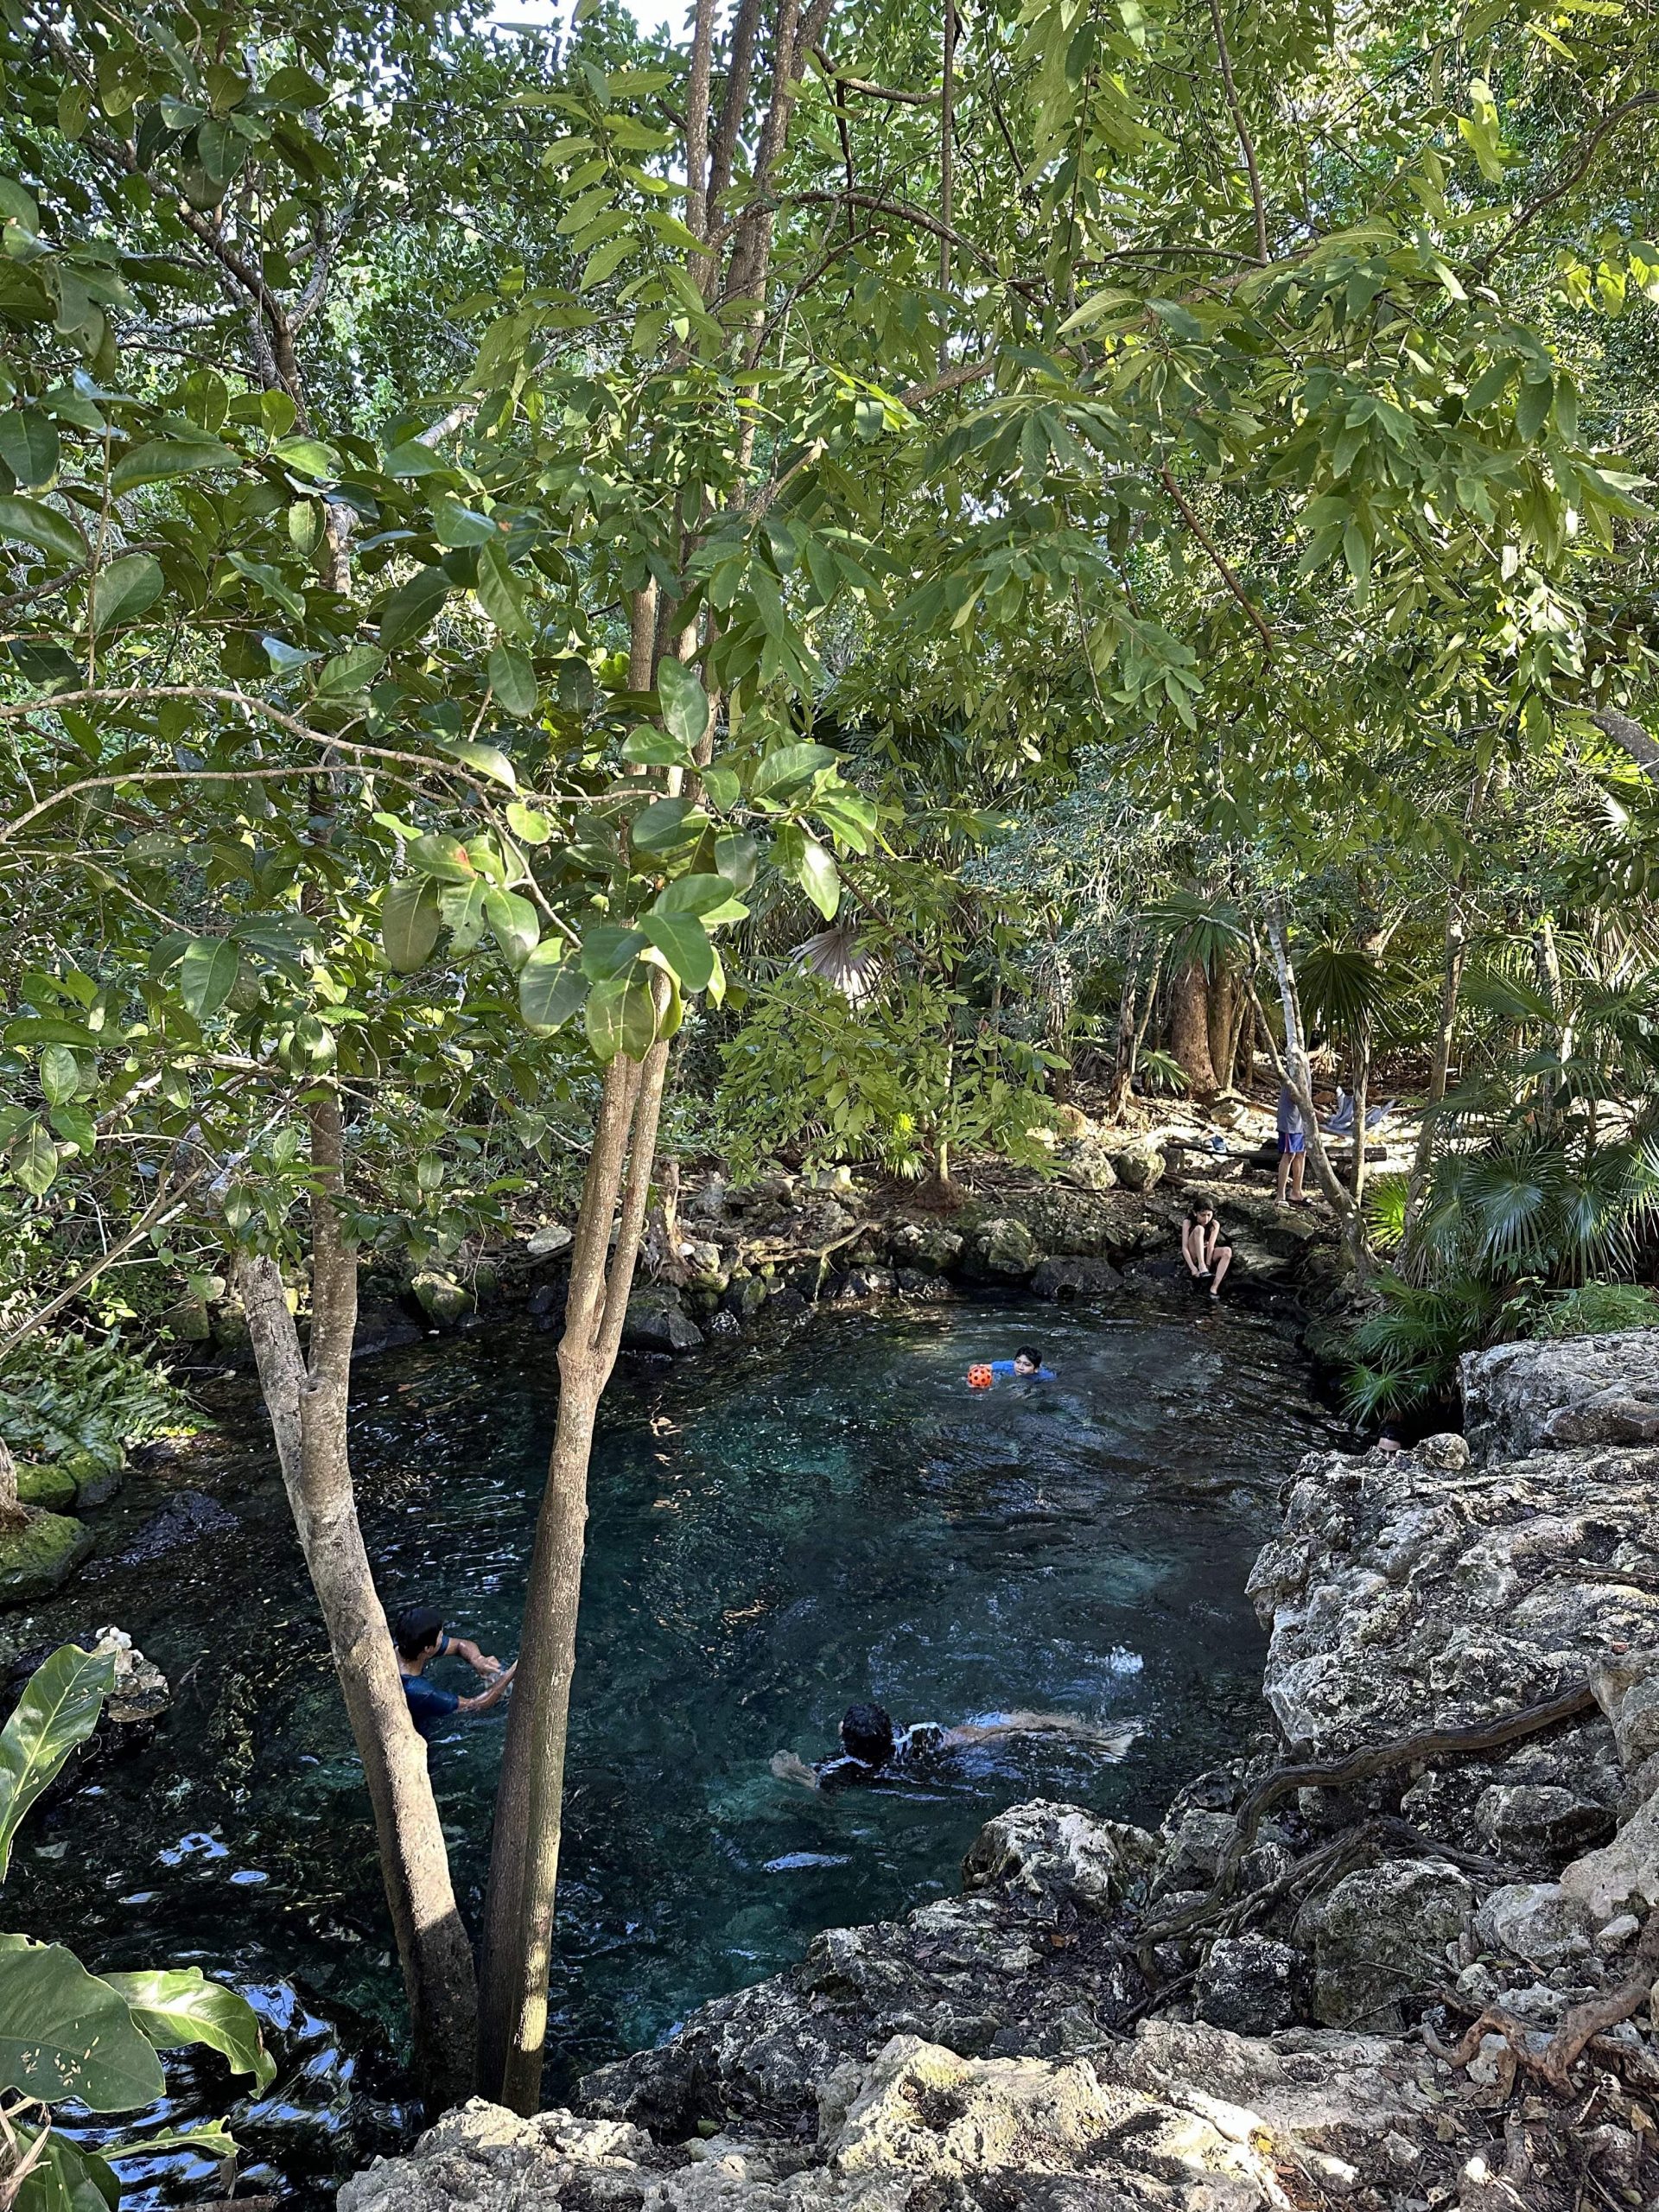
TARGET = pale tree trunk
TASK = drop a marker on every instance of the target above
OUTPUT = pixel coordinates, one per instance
(1188, 1030)
(1446, 1025)
(1219, 996)
(1128, 1037)
(1361, 1101)
(1294, 1071)
(10, 1511)
(529, 1807)
(306, 1398)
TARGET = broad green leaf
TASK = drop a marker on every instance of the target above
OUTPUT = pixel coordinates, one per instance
(161, 459)
(551, 987)
(285, 658)
(29, 446)
(455, 526)
(58, 1708)
(64, 2033)
(526, 823)
(487, 760)
(684, 703)
(709, 896)
(176, 2006)
(512, 679)
(609, 949)
(791, 766)
(500, 591)
(462, 907)
(59, 1074)
(819, 878)
(621, 1017)
(351, 671)
(412, 608)
(666, 824)
(684, 943)
(207, 974)
(650, 747)
(1532, 407)
(126, 590)
(442, 856)
(34, 1160)
(66, 2179)
(600, 264)
(44, 528)
(737, 857)
(514, 922)
(305, 457)
(410, 917)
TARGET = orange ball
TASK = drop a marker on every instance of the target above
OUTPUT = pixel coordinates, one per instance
(980, 1378)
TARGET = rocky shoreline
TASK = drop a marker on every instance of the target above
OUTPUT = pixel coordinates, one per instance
(1404, 1962)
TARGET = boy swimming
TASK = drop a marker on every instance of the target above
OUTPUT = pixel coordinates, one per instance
(875, 1752)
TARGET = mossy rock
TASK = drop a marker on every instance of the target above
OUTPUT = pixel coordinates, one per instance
(51, 1488)
(43, 1553)
(97, 1476)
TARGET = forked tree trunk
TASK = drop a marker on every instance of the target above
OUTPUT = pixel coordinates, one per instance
(529, 1806)
(306, 1402)
(1188, 1030)
(1295, 1071)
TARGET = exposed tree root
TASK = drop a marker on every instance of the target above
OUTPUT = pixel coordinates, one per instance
(1581, 2028)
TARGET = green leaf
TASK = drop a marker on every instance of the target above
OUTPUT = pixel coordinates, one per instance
(684, 943)
(126, 590)
(512, 679)
(59, 1074)
(412, 608)
(443, 856)
(722, 786)
(44, 528)
(666, 824)
(600, 264)
(551, 987)
(500, 593)
(819, 878)
(684, 703)
(66, 2179)
(455, 526)
(58, 1708)
(1532, 407)
(487, 760)
(29, 446)
(621, 1017)
(650, 747)
(305, 457)
(709, 896)
(159, 460)
(351, 671)
(34, 1160)
(737, 857)
(207, 974)
(410, 917)
(175, 2006)
(609, 949)
(64, 2033)
(791, 765)
(514, 922)
(462, 907)
(527, 824)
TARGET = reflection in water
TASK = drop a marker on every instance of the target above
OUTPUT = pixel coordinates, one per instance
(774, 1534)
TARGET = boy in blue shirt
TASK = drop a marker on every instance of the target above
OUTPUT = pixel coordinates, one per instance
(419, 1636)
(1027, 1363)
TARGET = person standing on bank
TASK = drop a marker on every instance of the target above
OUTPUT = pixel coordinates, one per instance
(418, 1633)
(1204, 1247)
(1292, 1149)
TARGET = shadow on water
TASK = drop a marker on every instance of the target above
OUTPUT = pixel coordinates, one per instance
(804, 1522)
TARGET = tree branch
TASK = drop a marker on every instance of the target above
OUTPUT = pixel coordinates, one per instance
(1246, 142)
(1219, 559)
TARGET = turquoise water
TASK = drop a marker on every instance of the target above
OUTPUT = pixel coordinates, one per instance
(777, 1530)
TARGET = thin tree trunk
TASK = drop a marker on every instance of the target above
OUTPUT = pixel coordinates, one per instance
(947, 177)
(10, 1511)
(529, 1810)
(306, 1403)
(1295, 1071)
(1362, 1100)
(1445, 1026)
(1123, 1052)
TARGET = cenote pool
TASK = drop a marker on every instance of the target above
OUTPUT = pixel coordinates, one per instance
(777, 1530)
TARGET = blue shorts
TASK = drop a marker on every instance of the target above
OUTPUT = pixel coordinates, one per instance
(1292, 1142)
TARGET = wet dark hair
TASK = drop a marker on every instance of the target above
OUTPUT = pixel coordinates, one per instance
(1198, 1206)
(866, 1734)
(1030, 1352)
(416, 1628)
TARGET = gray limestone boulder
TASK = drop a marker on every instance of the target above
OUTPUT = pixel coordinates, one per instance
(1381, 1936)
(1050, 1854)
(655, 1321)
(1087, 1162)
(1004, 1246)
(1523, 1398)
(1539, 1921)
(1251, 1984)
(1065, 1279)
(1139, 1166)
(926, 1247)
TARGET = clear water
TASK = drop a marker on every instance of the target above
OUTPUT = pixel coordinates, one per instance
(776, 1530)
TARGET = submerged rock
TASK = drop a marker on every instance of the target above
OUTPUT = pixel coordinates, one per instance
(39, 1554)
(185, 1519)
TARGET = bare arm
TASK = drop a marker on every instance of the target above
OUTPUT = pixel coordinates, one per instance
(1114, 1741)
(496, 1690)
(464, 1647)
(1192, 1248)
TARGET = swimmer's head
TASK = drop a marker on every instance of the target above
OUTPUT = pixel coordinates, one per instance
(416, 1630)
(1027, 1360)
(1200, 1210)
(866, 1734)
